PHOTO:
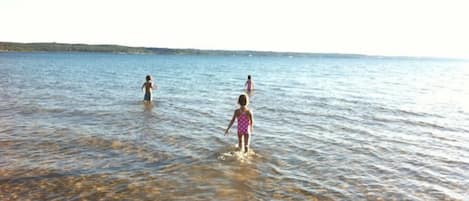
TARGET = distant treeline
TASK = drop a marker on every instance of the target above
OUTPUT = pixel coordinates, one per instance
(64, 47)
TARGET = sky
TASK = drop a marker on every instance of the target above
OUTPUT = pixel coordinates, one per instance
(376, 27)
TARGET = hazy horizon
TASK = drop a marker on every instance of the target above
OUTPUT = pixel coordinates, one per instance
(245, 50)
(384, 28)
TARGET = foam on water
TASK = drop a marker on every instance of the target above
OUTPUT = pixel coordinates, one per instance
(234, 153)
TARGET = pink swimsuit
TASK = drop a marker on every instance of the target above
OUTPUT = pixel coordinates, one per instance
(249, 85)
(243, 124)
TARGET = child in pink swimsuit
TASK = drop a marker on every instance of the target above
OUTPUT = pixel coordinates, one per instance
(245, 122)
(249, 84)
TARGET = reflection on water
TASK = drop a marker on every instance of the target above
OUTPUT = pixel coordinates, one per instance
(74, 127)
(148, 106)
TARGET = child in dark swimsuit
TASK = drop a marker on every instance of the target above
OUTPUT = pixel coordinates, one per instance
(148, 85)
(245, 122)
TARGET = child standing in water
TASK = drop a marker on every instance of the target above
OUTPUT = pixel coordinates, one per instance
(148, 85)
(249, 84)
(245, 122)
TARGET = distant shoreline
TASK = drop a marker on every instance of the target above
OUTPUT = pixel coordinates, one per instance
(119, 49)
(70, 47)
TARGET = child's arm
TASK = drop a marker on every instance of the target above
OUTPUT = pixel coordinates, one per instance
(231, 123)
(154, 86)
(251, 118)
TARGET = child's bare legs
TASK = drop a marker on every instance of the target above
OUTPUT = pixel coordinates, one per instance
(240, 141)
(246, 143)
(243, 138)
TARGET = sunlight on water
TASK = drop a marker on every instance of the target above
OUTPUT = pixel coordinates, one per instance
(73, 127)
(445, 89)
(235, 154)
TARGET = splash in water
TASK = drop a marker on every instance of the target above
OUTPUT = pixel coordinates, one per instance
(234, 153)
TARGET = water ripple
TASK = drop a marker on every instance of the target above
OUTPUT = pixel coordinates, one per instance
(73, 127)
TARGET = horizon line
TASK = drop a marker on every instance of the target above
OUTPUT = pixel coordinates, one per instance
(253, 51)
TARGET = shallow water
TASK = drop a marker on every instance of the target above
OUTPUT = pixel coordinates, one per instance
(73, 127)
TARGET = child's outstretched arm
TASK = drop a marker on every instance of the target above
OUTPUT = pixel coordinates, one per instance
(231, 123)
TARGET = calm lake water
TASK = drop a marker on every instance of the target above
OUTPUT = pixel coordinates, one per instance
(73, 127)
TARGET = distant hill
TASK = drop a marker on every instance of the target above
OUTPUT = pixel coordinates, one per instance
(62, 47)
(65, 47)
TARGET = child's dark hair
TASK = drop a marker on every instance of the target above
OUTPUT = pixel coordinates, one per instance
(249, 77)
(243, 100)
(148, 77)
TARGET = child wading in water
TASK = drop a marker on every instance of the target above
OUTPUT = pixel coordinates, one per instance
(245, 122)
(148, 85)
(249, 84)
